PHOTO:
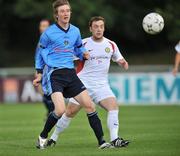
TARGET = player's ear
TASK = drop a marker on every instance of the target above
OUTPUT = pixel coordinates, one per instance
(56, 17)
(90, 29)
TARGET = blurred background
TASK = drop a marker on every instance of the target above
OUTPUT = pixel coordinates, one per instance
(145, 53)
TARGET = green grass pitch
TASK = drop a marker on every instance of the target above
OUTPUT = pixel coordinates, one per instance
(153, 131)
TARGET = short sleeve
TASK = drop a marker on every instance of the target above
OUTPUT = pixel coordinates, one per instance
(116, 53)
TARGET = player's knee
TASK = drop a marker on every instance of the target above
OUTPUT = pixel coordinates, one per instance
(72, 109)
(90, 108)
(110, 106)
(59, 112)
(115, 107)
(70, 113)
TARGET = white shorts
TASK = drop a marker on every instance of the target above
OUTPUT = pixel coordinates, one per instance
(97, 94)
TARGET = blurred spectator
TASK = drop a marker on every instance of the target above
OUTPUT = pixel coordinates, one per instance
(43, 25)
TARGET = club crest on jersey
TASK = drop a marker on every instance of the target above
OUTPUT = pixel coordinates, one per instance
(66, 42)
(107, 49)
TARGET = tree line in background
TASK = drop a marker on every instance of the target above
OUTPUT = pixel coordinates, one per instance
(20, 19)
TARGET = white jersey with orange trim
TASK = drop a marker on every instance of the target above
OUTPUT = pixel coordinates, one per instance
(94, 71)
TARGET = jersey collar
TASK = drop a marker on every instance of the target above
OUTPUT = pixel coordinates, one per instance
(65, 30)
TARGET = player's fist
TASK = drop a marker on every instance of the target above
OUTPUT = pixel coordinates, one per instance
(175, 70)
(123, 63)
(86, 55)
(37, 80)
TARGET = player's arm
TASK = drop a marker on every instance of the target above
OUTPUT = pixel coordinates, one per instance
(177, 62)
(177, 59)
(118, 58)
(123, 63)
(82, 53)
(39, 62)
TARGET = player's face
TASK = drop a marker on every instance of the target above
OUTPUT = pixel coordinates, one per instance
(97, 29)
(43, 26)
(64, 14)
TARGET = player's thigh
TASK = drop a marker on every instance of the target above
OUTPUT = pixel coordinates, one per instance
(59, 104)
(85, 101)
(72, 108)
(109, 103)
(106, 98)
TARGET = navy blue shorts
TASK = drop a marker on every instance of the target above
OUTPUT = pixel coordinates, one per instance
(67, 82)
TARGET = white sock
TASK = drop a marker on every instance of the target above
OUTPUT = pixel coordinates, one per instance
(113, 124)
(61, 125)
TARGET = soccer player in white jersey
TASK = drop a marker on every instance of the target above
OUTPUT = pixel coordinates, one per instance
(94, 75)
(177, 59)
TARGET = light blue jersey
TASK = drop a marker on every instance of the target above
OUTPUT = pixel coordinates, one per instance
(44, 82)
(56, 47)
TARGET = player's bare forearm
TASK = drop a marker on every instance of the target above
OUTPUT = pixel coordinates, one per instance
(123, 63)
(177, 62)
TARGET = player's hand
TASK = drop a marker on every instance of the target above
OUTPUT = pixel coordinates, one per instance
(86, 55)
(37, 80)
(175, 70)
(123, 63)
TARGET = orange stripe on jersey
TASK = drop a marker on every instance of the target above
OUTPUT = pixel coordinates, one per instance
(113, 47)
(80, 65)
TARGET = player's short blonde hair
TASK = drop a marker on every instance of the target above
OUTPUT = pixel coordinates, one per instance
(96, 18)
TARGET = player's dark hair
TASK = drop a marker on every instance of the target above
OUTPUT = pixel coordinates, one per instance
(57, 4)
(45, 19)
(96, 18)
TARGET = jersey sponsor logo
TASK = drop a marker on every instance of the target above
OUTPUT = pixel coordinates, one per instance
(62, 50)
(98, 57)
(107, 50)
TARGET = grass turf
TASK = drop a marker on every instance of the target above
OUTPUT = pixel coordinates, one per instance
(153, 130)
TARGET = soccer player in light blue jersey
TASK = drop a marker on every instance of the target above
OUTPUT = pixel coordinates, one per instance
(56, 50)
